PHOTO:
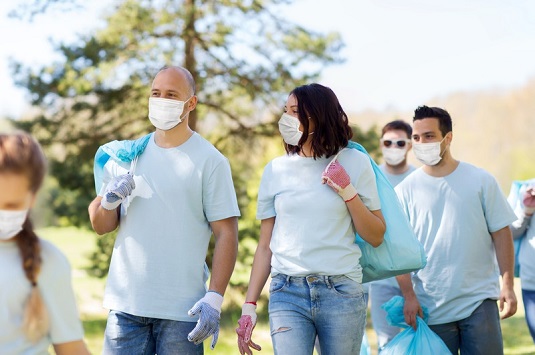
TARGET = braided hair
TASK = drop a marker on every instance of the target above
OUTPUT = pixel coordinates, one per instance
(21, 154)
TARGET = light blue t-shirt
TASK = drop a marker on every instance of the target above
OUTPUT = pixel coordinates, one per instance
(157, 267)
(394, 179)
(453, 217)
(54, 282)
(313, 231)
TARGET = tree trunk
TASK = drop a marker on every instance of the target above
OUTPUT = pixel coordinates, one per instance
(190, 63)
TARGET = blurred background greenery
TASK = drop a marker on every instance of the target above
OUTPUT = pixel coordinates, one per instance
(245, 57)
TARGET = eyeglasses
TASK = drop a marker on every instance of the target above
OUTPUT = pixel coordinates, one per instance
(401, 143)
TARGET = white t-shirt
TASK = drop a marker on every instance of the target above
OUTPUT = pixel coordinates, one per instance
(453, 217)
(54, 282)
(313, 231)
(157, 267)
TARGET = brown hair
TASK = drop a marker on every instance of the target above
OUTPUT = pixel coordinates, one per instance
(21, 154)
(319, 104)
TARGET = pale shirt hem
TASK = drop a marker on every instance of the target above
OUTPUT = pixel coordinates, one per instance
(140, 313)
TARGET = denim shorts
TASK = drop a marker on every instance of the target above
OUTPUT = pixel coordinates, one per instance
(329, 307)
(127, 334)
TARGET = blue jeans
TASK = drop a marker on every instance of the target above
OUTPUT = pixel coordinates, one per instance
(528, 297)
(127, 334)
(480, 333)
(331, 307)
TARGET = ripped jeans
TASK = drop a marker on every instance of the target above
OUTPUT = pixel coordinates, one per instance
(331, 307)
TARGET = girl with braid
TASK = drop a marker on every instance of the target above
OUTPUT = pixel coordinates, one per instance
(37, 304)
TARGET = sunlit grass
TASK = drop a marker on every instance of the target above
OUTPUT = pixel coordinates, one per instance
(78, 245)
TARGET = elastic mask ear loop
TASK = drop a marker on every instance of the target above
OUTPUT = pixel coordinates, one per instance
(181, 118)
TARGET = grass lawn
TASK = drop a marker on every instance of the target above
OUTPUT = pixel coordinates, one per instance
(77, 245)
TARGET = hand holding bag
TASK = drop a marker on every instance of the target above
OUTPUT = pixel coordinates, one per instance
(411, 342)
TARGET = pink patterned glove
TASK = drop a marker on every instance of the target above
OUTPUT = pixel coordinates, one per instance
(336, 177)
(246, 324)
(529, 201)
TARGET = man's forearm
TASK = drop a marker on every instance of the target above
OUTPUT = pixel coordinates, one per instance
(103, 221)
(405, 285)
(225, 253)
(505, 254)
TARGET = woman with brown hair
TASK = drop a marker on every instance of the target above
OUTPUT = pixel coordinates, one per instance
(311, 201)
(37, 304)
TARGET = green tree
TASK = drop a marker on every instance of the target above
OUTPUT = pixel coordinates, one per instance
(244, 57)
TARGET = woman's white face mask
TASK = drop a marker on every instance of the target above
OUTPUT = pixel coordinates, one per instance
(11, 223)
(289, 129)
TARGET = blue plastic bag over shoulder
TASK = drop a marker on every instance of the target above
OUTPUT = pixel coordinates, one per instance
(125, 151)
(411, 342)
(518, 187)
(400, 252)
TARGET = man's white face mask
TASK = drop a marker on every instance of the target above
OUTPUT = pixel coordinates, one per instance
(164, 113)
(394, 156)
(428, 153)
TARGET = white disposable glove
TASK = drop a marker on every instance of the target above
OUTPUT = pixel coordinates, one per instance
(209, 310)
(117, 190)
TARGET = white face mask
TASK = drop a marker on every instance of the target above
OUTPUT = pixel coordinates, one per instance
(11, 223)
(428, 153)
(164, 113)
(394, 156)
(289, 129)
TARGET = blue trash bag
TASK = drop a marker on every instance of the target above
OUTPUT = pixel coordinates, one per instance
(411, 342)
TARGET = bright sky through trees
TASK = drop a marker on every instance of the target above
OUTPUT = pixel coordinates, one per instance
(398, 53)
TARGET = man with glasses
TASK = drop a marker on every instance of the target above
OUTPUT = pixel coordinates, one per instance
(395, 144)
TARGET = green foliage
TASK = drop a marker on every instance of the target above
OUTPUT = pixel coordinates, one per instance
(244, 57)
(101, 257)
(368, 139)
